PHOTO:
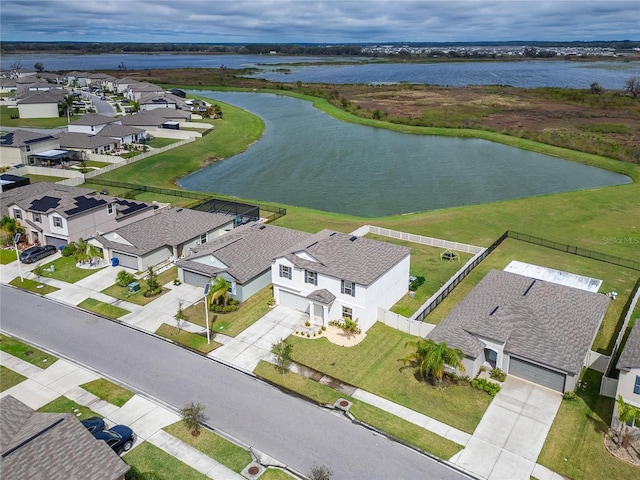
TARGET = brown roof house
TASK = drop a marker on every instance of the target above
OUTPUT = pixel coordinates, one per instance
(52, 446)
(533, 329)
(332, 275)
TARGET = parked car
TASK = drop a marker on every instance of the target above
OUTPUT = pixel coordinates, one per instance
(120, 438)
(94, 424)
(34, 254)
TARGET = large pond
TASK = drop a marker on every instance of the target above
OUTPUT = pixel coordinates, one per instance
(309, 159)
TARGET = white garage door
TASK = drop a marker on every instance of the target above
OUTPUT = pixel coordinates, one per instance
(197, 279)
(294, 301)
(126, 260)
(537, 374)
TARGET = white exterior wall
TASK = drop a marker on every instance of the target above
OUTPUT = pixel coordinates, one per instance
(498, 347)
(472, 366)
(12, 156)
(38, 110)
(154, 258)
(90, 129)
(626, 382)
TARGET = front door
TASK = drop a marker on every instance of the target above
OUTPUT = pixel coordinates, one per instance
(491, 357)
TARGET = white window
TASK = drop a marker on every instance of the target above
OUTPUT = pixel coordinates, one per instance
(57, 222)
(37, 218)
(348, 288)
(110, 209)
(203, 238)
(285, 272)
(310, 277)
(347, 313)
(17, 214)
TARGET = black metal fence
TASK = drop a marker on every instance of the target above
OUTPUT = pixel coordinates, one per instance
(202, 201)
(523, 237)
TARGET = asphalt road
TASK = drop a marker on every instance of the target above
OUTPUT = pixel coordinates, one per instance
(289, 429)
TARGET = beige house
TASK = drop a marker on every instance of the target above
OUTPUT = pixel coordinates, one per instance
(59, 216)
(40, 104)
(16, 146)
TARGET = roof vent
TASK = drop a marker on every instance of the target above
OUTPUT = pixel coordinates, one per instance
(179, 210)
(528, 288)
(494, 310)
(353, 239)
(262, 227)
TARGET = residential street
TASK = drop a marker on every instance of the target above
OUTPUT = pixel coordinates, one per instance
(288, 429)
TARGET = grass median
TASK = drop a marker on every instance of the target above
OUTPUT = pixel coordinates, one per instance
(26, 352)
(9, 378)
(103, 309)
(108, 391)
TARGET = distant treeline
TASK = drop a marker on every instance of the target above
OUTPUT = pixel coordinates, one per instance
(261, 48)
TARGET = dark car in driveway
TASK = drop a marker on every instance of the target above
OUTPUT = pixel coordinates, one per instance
(120, 438)
(94, 424)
(34, 254)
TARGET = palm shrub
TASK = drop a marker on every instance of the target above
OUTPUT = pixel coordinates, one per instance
(431, 358)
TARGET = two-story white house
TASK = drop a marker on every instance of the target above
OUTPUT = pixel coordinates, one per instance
(18, 145)
(335, 275)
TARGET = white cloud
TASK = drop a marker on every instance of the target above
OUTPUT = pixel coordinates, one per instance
(329, 21)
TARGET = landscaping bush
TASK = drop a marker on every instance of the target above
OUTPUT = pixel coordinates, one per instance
(498, 375)
(485, 385)
(570, 396)
(123, 278)
(69, 250)
(413, 286)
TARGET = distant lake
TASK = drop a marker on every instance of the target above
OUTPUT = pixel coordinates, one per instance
(306, 158)
(525, 74)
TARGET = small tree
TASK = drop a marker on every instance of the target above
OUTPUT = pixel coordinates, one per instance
(219, 291)
(180, 317)
(632, 85)
(193, 416)
(320, 472)
(596, 88)
(282, 354)
(39, 67)
(626, 414)
(38, 271)
(348, 326)
(431, 357)
(152, 282)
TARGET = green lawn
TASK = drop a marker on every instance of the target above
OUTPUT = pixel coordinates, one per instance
(191, 340)
(394, 426)
(161, 142)
(43, 178)
(33, 286)
(7, 121)
(26, 352)
(9, 378)
(615, 278)
(65, 405)
(227, 453)
(108, 391)
(103, 309)
(147, 459)
(67, 271)
(275, 474)
(425, 261)
(232, 135)
(234, 322)
(138, 297)
(375, 365)
(574, 447)
(7, 255)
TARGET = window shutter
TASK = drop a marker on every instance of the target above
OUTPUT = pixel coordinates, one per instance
(341, 286)
(636, 388)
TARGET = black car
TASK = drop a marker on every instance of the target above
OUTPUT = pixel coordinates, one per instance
(94, 424)
(34, 254)
(120, 438)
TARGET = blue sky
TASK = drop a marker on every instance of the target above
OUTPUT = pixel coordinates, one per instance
(317, 21)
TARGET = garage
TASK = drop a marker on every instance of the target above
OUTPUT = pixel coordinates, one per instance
(126, 260)
(196, 279)
(55, 241)
(294, 301)
(537, 374)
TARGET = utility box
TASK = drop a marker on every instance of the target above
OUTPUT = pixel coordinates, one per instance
(134, 287)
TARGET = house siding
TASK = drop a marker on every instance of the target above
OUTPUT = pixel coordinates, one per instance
(38, 110)
(626, 383)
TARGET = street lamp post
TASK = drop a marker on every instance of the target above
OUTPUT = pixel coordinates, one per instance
(206, 311)
(16, 239)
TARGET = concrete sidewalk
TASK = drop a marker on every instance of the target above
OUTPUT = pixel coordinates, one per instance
(145, 417)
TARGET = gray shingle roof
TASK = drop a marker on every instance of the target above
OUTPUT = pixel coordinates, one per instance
(630, 356)
(169, 226)
(50, 96)
(86, 140)
(143, 119)
(322, 295)
(246, 250)
(119, 131)
(93, 119)
(537, 320)
(52, 446)
(356, 259)
(20, 138)
(22, 194)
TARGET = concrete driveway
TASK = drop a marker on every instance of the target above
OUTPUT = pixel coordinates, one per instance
(510, 436)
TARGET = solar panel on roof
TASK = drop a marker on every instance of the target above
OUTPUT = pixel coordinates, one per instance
(44, 204)
(130, 207)
(85, 203)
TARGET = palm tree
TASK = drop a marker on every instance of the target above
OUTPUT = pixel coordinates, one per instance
(431, 358)
(219, 290)
(11, 226)
(626, 413)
